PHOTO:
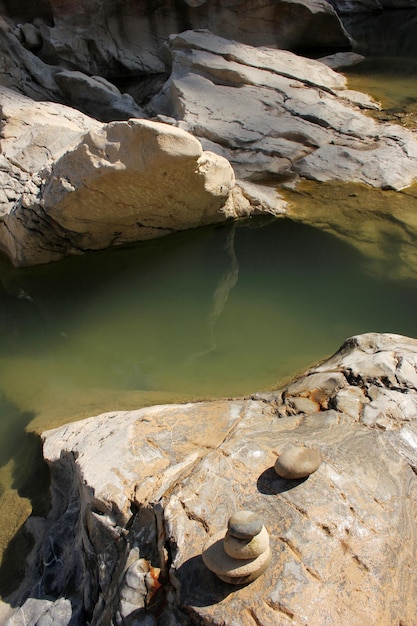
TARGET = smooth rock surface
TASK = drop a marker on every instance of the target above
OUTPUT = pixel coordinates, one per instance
(72, 184)
(244, 525)
(244, 548)
(160, 482)
(276, 116)
(297, 462)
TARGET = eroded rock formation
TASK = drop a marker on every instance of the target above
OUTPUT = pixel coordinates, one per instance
(277, 116)
(136, 495)
(72, 184)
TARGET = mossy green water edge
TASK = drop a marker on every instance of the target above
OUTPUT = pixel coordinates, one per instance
(216, 312)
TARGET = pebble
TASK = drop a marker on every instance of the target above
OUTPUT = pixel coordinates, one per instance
(246, 548)
(244, 525)
(297, 462)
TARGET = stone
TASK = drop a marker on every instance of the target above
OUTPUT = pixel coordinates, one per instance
(96, 97)
(238, 561)
(244, 525)
(76, 184)
(31, 36)
(297, 462)
(246, 548)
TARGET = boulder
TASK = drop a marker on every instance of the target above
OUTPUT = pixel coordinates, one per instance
(137, 495)
(72, 184)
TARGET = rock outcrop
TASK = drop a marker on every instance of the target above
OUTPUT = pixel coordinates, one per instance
(117, 38)
(71, 184)
(136, 496)
(349, 7)
(276, 116)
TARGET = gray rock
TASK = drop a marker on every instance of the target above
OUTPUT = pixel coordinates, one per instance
(97, 97)
(276, 116)
(244, 525)
(115, 38)
(31, 36)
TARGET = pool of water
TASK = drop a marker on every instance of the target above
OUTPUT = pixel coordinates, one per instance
(217, 312)
(222, 311)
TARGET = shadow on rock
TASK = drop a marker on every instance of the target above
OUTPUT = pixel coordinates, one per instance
(199, 586)
(269, 483)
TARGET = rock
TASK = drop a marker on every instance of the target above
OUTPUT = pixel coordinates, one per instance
(77, 185)
(297, 462)
(22, 71)
(340, 60)
(244, 525)
(230, 570)
(276, 116)
(158, 483)
(97, 97)
(118, 38)
(238, 548)
(31, 36)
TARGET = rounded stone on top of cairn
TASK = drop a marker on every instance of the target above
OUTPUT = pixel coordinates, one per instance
(297, 462)
(241, 554)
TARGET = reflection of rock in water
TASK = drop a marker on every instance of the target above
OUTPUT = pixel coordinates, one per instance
(221, 293)
(380, 224)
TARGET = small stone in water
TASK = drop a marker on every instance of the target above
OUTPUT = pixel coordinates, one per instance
(244, 525)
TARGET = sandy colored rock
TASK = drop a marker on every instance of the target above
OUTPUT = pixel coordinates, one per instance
(246, 548)
(79, 185)
(232, 570)
(297, 462)
(159, 482)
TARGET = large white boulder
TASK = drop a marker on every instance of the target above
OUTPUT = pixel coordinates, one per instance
(72, 184)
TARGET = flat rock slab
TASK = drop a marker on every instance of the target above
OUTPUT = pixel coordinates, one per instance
(276, 116)
(157, 483)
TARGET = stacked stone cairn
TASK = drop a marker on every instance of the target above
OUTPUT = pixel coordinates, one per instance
(241, 554)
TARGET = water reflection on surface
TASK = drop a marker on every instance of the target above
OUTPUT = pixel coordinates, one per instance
(220, 311)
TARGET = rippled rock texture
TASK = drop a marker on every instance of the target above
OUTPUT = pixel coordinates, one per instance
(136, 496)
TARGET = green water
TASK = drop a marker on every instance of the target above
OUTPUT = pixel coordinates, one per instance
(216, 312)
